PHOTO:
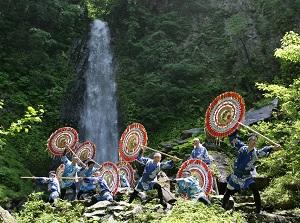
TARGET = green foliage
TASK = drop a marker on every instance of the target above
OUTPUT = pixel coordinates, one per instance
(174, 59)
(36, 210)
(188, 211)
(35, 70)
(173, 62)
(286, 128)
(97, 9)
(289, 57)
(31, 116)
(290, 47)
(283, 192)
(12, 187)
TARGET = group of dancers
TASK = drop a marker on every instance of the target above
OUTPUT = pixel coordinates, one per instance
(92, 183)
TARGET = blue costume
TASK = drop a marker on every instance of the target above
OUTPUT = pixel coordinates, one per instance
(123, 180)
(245, 162)
(69, 171)
(88, 186)
(53, 188)
(190, 187)
(201, 153)
(241, 177)
(87, 172)
(238, 143)
(151, 170)
(104, 193)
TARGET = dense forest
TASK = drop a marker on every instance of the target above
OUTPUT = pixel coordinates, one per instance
(174, 57)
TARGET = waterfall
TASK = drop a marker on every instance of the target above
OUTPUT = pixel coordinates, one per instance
(98, 118)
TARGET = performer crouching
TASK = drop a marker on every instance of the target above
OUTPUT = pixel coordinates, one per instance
(53, 186)
(189, 186)
(97, 186)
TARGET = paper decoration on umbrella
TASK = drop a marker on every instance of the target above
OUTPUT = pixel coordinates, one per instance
(59, 171)
(86, 151)
(224, 114)
(201, 171)
(110, 173)
(132, 139)
(58, 140)
(127, 170)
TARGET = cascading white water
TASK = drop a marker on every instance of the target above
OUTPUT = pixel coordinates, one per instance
(98, 120)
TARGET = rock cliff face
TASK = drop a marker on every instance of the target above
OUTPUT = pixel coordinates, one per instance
(73, 99)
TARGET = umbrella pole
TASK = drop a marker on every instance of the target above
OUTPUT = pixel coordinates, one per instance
(95, 162)
(77, 157)
(247, 127)
(162, 152)
(30, 177)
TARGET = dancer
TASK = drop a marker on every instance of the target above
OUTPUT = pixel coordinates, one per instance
(151, 169)
(241, 177)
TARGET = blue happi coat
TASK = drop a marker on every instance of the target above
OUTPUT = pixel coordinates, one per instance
(88, 172)
(238, 143)
(89, 183)
(151, 170)
(53, 186)
(123, 180)
(69, 171)
(190, 186)
(245, 162)
(201, 153)
(101, 187)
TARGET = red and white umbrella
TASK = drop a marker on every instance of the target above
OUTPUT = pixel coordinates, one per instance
(86, 150)
(199, 170)
(59, 171)
(110, 173)
(58, 140)
(132, 139)
(224, 114)
(127, 170)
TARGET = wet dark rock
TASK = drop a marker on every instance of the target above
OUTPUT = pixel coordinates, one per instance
(190, 132)
(260, 114)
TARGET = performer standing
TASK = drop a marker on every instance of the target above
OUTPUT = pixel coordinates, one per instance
(71, 170)
(241, 177)
(151, 169)
(200, 152)
(189, 185)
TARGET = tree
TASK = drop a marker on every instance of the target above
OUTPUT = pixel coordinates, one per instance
(286, 128)
(31, 116)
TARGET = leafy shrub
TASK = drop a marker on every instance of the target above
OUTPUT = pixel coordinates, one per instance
(283, 192)
(36, 210)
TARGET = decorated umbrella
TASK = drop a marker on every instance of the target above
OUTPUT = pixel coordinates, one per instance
(224, 115)
(132, 139)
(58, 140)
(59, 171)
(201, 171)
(86, 150)
(127, 170)
(110, 173)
